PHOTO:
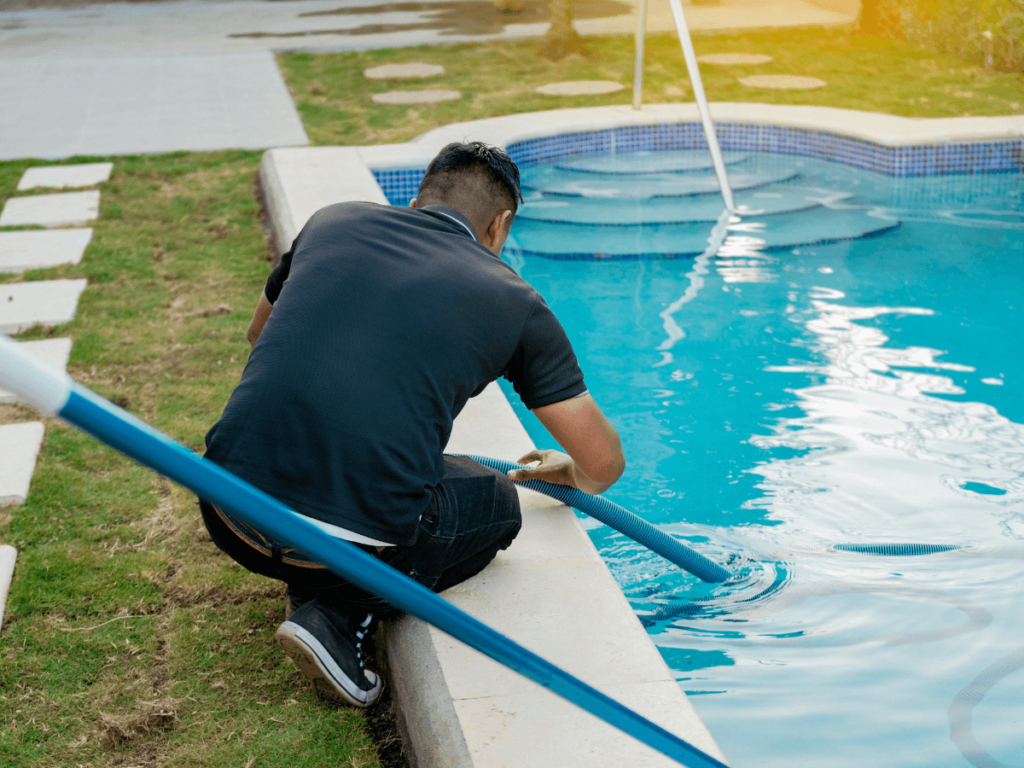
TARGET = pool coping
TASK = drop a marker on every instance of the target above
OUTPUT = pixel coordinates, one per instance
(550, 591)
(887, 133)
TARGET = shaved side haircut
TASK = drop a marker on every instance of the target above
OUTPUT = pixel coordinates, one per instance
(475, 178)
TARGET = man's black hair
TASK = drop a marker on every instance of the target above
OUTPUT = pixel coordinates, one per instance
(475, 156)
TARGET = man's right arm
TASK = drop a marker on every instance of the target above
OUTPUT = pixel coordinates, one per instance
(595, 459)
(271, 291)
(259, 319)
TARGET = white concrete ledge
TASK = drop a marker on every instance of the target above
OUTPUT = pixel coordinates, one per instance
(297, 183)
(884, 130)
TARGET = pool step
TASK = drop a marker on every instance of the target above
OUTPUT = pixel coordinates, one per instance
(549, 181)
(771, 201)
(583, 241)
(644, 163)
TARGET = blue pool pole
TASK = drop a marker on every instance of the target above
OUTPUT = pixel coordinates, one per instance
(622, 520)
(54, 393)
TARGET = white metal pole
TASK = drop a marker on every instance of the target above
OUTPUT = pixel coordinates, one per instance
(702, 103)
(638, 69)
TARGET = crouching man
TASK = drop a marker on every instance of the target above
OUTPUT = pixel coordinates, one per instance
(376, 328)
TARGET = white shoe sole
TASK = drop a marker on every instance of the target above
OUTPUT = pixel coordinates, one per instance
(329, 681)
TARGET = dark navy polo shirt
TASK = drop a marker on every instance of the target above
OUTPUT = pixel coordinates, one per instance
(386, 321)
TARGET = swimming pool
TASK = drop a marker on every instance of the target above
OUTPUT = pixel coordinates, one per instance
(838, 366)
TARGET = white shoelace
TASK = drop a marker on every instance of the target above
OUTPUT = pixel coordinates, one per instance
(360, 636)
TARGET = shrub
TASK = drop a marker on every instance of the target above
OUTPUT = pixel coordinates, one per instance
(988, 31)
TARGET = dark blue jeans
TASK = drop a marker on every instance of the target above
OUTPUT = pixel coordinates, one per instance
(474, 513)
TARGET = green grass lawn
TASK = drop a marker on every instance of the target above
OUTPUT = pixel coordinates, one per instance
(868, 73)
(129, 639)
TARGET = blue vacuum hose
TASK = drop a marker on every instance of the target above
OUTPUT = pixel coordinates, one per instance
(622, 520)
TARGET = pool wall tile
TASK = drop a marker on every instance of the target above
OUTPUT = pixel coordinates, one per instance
(906, 161)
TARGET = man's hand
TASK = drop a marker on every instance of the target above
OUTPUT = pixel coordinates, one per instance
(555, 467)
(558, 468)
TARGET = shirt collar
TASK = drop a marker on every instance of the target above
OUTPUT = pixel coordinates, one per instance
(451, 215)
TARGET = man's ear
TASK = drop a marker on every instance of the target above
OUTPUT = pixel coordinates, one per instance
(497, 231)
(412, 203)
(499, 226)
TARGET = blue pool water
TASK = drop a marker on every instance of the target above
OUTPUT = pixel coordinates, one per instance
(840, 366)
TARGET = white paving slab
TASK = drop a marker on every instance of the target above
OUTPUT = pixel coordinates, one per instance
(783, 82)
(118, 106)
(8, 556)
(580, 88)
(728, 59)
(414, 97)
(35, 249)
(411, 70)
(64, 209)
(19, 447)
(45, 302)
(52, 352)
(63, 176)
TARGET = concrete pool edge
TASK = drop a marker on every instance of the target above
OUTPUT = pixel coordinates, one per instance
(305, 171)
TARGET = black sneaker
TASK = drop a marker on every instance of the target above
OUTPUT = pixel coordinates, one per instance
(327, 646)
(296, 598)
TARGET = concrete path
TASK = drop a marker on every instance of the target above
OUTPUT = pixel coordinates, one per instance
(57, 107)
(125, 78)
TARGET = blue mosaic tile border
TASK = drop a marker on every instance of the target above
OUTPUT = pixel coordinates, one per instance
(927, 160)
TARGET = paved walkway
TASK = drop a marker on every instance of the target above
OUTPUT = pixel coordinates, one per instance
(115, 106)
(125, 78)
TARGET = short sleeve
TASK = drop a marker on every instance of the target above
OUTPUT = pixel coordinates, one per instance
(544, 369)
(276, 280)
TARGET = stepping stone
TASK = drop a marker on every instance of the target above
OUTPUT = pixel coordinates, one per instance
(19, 446)
(61, 176)
(21, 251)
(8, 556)
(727, 59)
(53, 352)
(62, 210)
(414, 97)
(580, 88)
(388, 71)
(783, 82)
(45, 302)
